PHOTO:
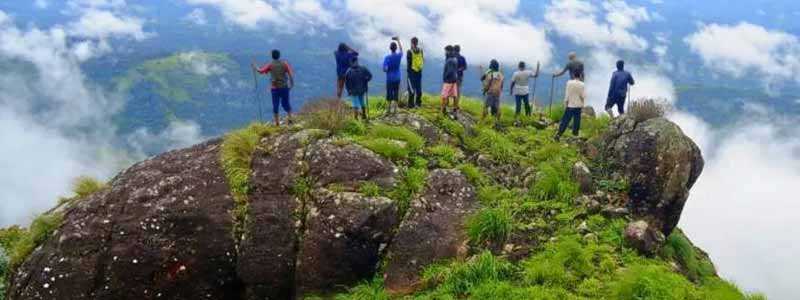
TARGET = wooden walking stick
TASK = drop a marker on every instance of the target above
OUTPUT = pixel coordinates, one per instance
(550, 106)
(258, 99)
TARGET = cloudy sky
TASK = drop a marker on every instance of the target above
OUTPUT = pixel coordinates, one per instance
(57, 125)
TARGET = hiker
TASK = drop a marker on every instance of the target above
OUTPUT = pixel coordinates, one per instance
(574, 66)
(492, 88)
(415, 61)
(391, 66)
(450, 78)
(462, 66)
(520, 90)
(618, 89)
(357, 83)
(344, 55)
(574, 99)
(282, 81)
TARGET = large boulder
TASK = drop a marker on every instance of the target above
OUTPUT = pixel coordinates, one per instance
(660, 163)
(418, 123)
(345, 236)
(145, 237)
(432, 231)
(168, 228)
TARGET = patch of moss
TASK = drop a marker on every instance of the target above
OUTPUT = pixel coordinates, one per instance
(370, 189)
(447, 156)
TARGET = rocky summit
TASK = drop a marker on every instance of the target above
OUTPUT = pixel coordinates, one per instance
(416, 205)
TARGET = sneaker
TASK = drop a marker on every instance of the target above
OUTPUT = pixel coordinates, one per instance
(610, 112)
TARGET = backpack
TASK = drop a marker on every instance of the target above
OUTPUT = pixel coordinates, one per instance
(493, 83)
(417, 60)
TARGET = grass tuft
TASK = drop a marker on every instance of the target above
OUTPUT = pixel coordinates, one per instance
(679, 248)
(20, 243)
(646, 109)
(325, 114)
(490, 225)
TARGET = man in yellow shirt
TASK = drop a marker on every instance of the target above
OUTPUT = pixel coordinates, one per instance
(574, 100)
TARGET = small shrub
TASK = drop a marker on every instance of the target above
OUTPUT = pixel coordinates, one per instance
(85, 186)
(368, 290)
(354, 128)
(392, 149)
(679, 248)
(651, 282)
(496, 145)
(473, 174)
(370, 189)
(446, 155)
(41, 229)
(325, 114)
(490, 225)
(645, 109)
(414, 142)
(237, 150)
(459, 278)
(555, 184)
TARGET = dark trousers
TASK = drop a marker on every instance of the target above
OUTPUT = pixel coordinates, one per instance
(393, 91)
(414, 89)
(619, 102)
(523, 99)
(280, 97)
(573, 114)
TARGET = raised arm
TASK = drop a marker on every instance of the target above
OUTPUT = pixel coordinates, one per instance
(559, 74)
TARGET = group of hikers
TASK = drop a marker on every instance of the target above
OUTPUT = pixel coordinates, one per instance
(354, 78)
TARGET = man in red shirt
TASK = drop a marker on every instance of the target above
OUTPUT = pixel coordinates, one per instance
(282, 81)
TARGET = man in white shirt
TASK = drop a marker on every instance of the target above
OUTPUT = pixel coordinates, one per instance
(573, 101)
(520, 90)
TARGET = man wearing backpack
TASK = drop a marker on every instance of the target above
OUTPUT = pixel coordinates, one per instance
(618, 89)
(450, 78)
(282, 81)
(574, 100)
(574, 66)
(357, 83)
(391, 66)
(344, 55)
(462, 66)
(415, 62)
(492, 88)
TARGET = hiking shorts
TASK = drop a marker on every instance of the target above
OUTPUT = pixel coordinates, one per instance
(492, 102)
(449, 90)
(393, 91)
(357, 101)
(280, 97)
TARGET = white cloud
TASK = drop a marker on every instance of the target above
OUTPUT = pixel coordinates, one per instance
(747, 192)
(485, 29)
(101, 24)
(179, 134)
(289, 15)
(41, 4)
(56, 124)
(200, 64)
(651, 82)
(745, 48)
(197, 17)
(578, 20)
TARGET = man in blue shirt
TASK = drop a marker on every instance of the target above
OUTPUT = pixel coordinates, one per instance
(618, 89)
(344, 55)
(391, 66)
(462, 66)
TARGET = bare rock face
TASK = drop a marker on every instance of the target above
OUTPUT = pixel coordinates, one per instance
(432, 230)
(348, 165)
(661, 164)
(344, 238)
(145, 237)
(644, 238)
(425, 128)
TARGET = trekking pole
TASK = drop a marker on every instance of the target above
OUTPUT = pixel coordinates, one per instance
(629, 99)
(258, 99)
(550, 106)
(366, 105)
(533, 94)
